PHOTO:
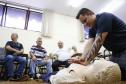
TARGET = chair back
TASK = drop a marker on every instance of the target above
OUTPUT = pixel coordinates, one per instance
(2, 53)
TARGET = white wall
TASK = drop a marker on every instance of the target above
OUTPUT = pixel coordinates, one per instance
(66, 29)
(62, 27)
(27, 38)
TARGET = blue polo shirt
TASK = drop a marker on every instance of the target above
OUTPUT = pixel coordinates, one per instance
(116, 28)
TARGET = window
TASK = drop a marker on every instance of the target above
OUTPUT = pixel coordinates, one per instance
(20, 17)
(1, 14)
(15, 18)
(35, 21)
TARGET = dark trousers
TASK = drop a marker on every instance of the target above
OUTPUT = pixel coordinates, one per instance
(56, 64)
(120, 59)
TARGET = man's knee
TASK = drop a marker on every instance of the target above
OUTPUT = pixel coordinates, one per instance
(9, 58)
(49, 63)
(22, 60)
(56, 63)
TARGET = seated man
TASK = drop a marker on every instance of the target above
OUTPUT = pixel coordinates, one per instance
(14, 50)
(39, 57)
(62, 57)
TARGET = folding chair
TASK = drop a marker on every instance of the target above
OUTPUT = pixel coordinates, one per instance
(2, 63)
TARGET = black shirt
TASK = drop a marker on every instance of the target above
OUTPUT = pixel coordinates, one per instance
(15, 45)
(116, 28)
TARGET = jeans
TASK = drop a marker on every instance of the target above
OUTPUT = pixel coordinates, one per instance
(33, 65)
(9, 59)
(120, 59)
(56, 64)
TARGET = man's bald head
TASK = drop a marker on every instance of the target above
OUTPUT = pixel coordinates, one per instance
(14, 36)
(60, 44)
(39, 41)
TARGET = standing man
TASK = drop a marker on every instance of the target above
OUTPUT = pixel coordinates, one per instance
(39, 57)
(14, 50)
(62, 57)
(104, 29)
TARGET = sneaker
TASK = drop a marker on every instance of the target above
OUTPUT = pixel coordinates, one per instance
(54, 72)
(46, 77)
(35, 77)
(17, 77)
(10, 79)
(31, 76)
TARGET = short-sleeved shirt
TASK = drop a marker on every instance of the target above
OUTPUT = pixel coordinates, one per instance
(39, 52)
(63, 54)
(116, 28)
(15, 45)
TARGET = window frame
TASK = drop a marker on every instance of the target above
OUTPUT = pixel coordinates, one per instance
(6, 17)
(29, 18)
(1, 21)
(28, 11)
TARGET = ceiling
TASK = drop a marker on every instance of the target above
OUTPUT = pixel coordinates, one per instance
(60, 6)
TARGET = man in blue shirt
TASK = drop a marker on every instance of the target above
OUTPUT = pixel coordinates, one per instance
(14, 50)
(104, 29)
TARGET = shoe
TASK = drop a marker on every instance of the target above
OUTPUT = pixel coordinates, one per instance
(54, 72)
(24, 78)
(46, 77)
(35, 77)
(31, 76)
(17, 77)
(10, 79)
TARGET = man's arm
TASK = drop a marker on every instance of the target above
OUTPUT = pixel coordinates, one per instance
(31, 54)
(33, 57)
(8, 47)
(87, 46)
(19, 52)
(99, 40)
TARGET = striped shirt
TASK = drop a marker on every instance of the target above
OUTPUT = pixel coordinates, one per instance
(39, 52)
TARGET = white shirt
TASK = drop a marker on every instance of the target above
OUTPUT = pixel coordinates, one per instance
(62, 54)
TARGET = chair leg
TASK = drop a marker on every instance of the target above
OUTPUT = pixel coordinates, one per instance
(3, 72)
(35, 72)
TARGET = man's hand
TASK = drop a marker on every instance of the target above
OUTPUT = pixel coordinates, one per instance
(34, 58)
(86, 62)
(76, 59)
(17, 52)
(79, 60)
(45, 60)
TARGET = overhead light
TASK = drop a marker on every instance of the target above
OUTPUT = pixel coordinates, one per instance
(112, 6)
(75, 3)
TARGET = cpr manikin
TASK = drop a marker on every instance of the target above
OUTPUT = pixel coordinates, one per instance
(100, 71)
